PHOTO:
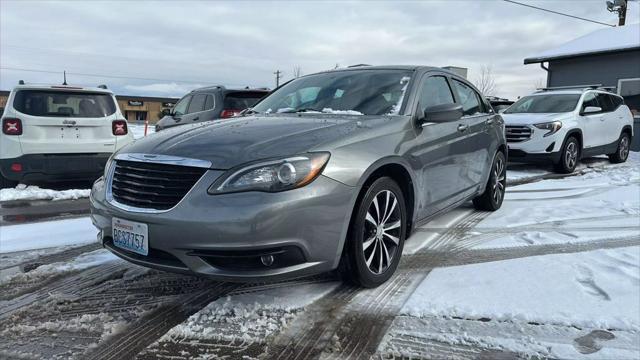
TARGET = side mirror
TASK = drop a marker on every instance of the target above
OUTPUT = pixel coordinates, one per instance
(166, 112)
(442, 113)
(591, 110)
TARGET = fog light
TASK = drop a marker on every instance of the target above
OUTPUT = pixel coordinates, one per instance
(16, 167)
(267, 260)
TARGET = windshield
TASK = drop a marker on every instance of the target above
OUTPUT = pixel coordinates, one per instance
(354, 92)
(64, 104)
(538, 104)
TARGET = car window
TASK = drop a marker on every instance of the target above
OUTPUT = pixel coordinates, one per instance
(434, 91)
(209, 103)
(181, 106)
(352, 92)
(542, 104)
(197, 103)
(590, 99)
(605, 102)
(616, 101)
(469, 99)
(64, 104)
(242, 100)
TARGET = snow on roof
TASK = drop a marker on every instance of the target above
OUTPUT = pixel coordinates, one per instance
(604, 40)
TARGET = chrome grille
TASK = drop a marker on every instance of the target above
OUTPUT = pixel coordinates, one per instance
(151, 185)
(517, 133)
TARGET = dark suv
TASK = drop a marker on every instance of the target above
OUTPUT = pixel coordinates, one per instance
(210, 103)
(331, 170)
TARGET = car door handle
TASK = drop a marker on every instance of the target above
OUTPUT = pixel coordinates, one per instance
(489, 121)
(196, 118)
(462, 127)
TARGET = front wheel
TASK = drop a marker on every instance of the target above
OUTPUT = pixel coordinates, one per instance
(622, 153)
(376, 236)
(569, 156)
(493, 195)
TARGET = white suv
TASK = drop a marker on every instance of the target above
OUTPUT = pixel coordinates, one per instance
(564, 125)
(54, 133)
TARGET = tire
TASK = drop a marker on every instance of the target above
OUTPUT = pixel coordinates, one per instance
(6, 183)
(371, 253)
(622, 152)
(569, 156)
(493, 195)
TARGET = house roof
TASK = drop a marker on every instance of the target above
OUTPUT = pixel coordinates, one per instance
(609, 40)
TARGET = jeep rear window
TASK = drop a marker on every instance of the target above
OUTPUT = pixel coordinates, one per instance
(74, 104)
(539, 104)
(242, 100)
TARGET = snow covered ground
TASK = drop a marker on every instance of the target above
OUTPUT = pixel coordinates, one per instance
(49, 234)
(554, 273)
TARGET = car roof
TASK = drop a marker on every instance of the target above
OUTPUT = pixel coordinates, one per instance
(55, 87)
(209, 89)
(388, 67)
(571, 92)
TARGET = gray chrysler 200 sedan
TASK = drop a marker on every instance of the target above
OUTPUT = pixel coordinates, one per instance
(330, 171)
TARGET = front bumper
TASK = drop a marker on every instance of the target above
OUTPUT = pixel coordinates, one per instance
(537, 148)
(223, 236)
(55, 167)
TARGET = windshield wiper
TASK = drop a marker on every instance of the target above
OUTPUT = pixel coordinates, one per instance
(307, 110)
(249, 111)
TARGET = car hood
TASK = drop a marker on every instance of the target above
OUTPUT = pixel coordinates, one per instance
(228, 143)
(530, 119)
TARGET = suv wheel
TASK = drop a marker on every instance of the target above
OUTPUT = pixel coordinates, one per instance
(376, 236)
(493, 195)
(622, 153)
(569, 156)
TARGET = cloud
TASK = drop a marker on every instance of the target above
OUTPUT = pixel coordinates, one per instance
(182, 44)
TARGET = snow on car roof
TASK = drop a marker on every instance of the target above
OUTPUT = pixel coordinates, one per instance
(61, 87)
(604, 40)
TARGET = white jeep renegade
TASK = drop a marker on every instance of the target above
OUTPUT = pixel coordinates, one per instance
(564, 125)
(52, 133)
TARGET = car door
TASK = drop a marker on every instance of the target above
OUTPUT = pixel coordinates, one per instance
(439, 148)
(609, 122)
(179, 111)
(592, 123)
(195, 109)
(479, 119)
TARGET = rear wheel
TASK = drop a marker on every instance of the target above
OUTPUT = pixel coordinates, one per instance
(493, 195)
(376, 236)
(6, 183)
(569, 156)
(622, 153)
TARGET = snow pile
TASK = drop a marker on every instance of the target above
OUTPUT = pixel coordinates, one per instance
(596, 289)
(46, 234)
(31, 192)
(341, 112)
(101, 323)
(250, 317)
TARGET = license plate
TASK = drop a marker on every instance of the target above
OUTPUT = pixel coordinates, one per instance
(130, 235)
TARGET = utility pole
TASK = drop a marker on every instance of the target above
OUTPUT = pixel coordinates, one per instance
(619, 6)
(278, 74)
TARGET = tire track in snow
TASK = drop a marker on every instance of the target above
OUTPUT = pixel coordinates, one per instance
(360, 317)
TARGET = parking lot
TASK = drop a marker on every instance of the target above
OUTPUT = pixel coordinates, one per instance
(530, 263)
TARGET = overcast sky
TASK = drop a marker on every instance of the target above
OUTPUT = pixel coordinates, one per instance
(176, 46)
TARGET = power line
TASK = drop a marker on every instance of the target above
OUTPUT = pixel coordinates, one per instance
(558, 13)
(110, 76)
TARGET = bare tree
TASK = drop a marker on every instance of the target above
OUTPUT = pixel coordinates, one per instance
(485, 82)
(297, 71)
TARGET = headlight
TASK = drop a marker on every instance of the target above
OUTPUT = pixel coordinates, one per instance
(552, 127)
(273, 176)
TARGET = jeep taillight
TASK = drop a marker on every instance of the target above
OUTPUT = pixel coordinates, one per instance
(11, 126)
(227, 113)
(119, 127)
